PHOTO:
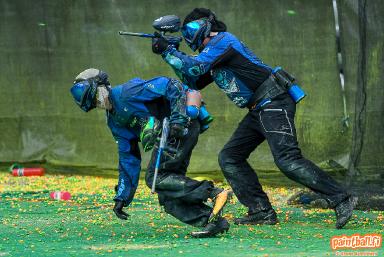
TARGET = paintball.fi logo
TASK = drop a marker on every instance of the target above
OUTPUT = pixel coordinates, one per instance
(356, 241)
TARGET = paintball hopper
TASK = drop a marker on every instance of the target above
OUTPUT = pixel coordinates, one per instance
(164, 24)
(168, 23)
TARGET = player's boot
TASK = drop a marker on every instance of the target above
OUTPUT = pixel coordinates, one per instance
(221, 200)
(262, 217)
(220, 225)
(344, 211)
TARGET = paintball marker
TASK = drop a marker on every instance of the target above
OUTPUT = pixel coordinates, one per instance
(168, 23)
(163, 141)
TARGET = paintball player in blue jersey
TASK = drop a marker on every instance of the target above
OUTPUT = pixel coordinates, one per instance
(270, 95)
(134, 111)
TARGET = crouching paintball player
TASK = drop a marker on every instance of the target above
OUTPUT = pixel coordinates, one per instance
(270, 95)
(134, 113)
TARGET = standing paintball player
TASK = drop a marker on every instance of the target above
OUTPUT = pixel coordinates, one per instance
(271, 97)
(133, 112)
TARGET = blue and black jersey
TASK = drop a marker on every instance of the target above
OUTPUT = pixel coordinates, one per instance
(227, 61)
(132, 103)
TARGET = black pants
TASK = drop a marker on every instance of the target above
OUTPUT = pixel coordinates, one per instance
(182, 197)
(275, 123)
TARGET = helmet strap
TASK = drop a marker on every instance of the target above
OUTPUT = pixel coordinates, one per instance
(102, 98)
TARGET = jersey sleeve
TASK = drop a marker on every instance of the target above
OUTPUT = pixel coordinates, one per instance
(172, 90)
(194, 70)
(177, 97)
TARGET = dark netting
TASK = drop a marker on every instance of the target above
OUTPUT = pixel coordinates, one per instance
(362, 39)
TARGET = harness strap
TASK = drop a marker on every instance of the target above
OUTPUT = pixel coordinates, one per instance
(265, 93)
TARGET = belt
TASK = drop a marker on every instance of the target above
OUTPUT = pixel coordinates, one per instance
(265, 93)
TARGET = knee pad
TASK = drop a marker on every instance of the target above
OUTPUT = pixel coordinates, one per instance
(228, 165)
(289, 167)
(226, 158)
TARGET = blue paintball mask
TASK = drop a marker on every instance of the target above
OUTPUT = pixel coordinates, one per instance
(84, 89)
(195, 32)
(84, 93)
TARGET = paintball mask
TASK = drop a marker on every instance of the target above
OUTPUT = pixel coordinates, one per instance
(195, 32)
(85, 88)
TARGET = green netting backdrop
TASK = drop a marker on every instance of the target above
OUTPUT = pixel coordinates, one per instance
(45, 43)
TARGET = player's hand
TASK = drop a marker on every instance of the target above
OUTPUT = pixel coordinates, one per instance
(159, 44)
(118, 210)
(149, 133)
(177, 130)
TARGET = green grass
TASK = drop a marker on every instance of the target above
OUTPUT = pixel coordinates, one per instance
(33, 225)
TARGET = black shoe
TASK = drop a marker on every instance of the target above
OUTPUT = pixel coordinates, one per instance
(262, 217)
(344, 211)
(218, 226)
(118, 210)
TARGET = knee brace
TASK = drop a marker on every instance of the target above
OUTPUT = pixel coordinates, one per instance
(289, 168)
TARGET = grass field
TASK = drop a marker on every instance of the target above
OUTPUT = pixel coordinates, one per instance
(31, 224)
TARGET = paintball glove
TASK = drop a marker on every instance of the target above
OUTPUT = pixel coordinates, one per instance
(160, 44)
(177, 130)
(118, 210)
(149, 133)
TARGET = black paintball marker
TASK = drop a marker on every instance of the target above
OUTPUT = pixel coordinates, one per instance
(168, 23)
